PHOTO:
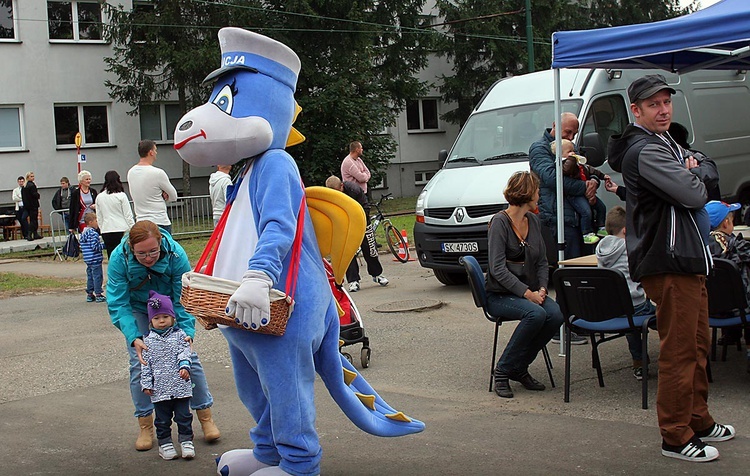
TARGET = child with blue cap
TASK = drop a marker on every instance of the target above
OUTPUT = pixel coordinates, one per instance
(166, 377)
(725, 244)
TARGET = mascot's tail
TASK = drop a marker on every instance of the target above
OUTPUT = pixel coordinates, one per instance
(355, 396)
(339, 223)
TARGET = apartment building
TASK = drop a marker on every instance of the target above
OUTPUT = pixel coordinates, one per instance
(53, 87)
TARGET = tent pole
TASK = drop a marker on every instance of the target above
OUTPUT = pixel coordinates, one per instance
(559, 185)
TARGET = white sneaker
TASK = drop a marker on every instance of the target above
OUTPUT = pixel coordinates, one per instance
(694, 450)
(381, 280)
(167, 451)
(188, 450)
(354, 286)
(717, 432)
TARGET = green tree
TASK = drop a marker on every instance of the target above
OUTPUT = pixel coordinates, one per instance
(160, 50)
(486, 39)
(359, 61)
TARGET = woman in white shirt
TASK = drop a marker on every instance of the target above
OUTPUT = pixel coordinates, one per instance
(113, 211)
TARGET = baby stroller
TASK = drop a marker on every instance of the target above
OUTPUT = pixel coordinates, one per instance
(351, 331)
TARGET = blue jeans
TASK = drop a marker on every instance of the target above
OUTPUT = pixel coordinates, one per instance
(634, 338)
(581, 205)
(167, 227)
(538, 325)
(143, 407)
(94, 279)
(180, 408)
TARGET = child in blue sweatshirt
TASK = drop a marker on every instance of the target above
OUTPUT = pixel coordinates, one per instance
(91, 248)
(165, 377)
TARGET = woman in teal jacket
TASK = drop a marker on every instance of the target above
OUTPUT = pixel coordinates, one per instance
(149, 259)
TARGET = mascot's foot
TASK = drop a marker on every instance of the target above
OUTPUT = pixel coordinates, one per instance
(240, 463)
(271, 471)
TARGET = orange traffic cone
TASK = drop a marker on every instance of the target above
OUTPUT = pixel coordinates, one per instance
(403, 253)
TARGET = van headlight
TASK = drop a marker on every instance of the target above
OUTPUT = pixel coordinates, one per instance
(420, 203)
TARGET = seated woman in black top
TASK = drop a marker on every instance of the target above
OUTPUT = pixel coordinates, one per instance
(517, 283)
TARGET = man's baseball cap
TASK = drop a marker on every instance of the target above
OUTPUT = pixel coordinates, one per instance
(647, 86)
(718, 211)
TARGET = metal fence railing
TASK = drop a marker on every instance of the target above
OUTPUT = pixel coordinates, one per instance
(190, 216)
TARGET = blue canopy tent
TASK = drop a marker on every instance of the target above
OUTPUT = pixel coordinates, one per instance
(717, 37)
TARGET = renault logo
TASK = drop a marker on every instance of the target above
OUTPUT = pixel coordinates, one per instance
(459, 215)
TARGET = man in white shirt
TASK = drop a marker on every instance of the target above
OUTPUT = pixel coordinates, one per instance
(150, 187)
(353, 169)
(217, 189)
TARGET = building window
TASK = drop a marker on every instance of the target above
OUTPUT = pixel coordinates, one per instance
(74, 20)
(8, 21)
(11, 128)
(422, 115)
(158, 121)
(421, 178)
(91, 120)
(383, 184)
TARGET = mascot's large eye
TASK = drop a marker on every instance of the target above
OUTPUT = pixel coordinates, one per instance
(225, 99)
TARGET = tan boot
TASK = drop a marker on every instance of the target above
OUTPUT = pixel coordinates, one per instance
(210, 431)
(145, 439)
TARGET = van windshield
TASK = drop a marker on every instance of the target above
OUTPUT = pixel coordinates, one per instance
(504, 135)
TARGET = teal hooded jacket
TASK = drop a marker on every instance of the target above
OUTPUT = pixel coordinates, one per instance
(128, 284)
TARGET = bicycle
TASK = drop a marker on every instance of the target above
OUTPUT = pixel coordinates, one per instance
(393, 237)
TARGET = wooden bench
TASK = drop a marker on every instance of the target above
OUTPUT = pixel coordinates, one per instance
(14, 230)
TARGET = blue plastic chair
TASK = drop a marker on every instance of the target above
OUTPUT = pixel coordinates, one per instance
(476, 282)
(727, 301)
(597, 301)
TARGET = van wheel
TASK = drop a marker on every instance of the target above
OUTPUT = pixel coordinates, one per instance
(745, 202)
(450, 278)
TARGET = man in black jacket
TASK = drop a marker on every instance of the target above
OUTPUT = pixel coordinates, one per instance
(31, 205)
(61, 200)
(667, 254)
(369, 251)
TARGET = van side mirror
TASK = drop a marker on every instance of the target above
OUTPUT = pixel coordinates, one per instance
(591, 148)
(442, 157)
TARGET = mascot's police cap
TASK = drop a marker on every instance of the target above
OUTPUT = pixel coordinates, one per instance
(242, 49)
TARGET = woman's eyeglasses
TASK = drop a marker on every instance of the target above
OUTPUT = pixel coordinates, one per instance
(148, 254)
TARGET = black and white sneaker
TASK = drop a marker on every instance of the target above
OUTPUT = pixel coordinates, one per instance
(638, 373)
(717, 432)
(694, 450)
(575, 339)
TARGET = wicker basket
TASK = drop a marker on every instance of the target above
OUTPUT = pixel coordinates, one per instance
(206, 297)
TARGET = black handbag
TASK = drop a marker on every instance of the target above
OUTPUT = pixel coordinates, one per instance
(72, 247)
(518, 268)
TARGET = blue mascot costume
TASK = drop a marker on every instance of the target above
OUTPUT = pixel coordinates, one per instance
(249, 116)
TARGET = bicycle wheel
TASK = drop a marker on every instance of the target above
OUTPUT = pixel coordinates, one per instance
(396, 242)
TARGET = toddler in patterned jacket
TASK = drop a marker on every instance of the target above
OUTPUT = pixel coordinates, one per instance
(91, 248)
(165, 377)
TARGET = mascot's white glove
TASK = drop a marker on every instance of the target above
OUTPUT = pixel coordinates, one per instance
(250, 304)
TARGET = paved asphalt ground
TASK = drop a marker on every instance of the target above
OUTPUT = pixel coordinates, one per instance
(65, 407)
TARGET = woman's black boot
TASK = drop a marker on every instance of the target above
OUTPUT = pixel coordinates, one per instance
(502, 386)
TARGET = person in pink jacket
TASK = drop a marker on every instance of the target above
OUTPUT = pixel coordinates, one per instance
(353, 169)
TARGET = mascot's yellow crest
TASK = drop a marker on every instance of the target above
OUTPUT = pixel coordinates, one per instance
(339, 223)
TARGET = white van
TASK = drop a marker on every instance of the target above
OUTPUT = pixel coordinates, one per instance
(456, 204)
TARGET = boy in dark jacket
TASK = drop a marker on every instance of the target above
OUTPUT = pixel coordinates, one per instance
(725, 244)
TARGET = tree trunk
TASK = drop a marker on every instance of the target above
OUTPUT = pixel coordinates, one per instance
(185, 166)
